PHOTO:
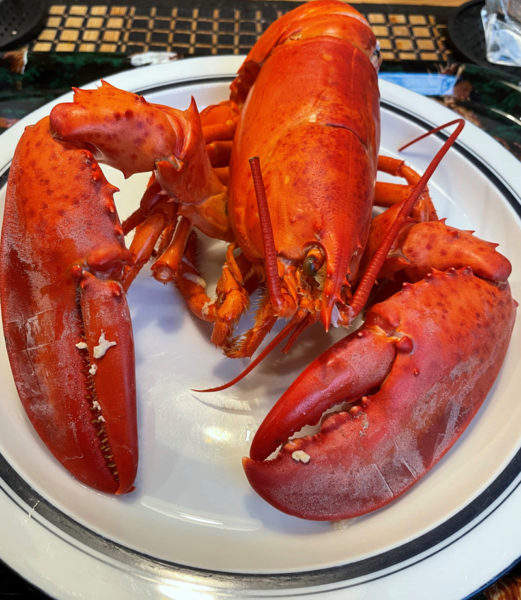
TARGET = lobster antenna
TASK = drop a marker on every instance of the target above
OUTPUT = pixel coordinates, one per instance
(272, 275)
(369, 277)
(284, 332)
(270, 253)
(450, 140)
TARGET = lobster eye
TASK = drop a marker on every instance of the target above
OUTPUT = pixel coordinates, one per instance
(314, 260)
(376, 57)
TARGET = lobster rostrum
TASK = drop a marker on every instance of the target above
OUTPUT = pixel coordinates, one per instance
(305, 105)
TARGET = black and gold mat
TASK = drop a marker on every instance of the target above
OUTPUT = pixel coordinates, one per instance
(408, 32)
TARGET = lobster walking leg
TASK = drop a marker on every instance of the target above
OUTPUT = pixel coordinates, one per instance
(389, 194)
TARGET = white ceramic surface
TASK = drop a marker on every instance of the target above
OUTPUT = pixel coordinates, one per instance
(193, 525)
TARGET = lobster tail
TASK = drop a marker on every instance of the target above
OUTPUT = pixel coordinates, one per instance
(310, 20)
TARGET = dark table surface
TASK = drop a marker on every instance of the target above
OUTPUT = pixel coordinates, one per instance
(76, 42)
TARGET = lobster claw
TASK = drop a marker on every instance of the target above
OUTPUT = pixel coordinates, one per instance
(65, 316)
(64, 266)
(399, 420)
(125, 131)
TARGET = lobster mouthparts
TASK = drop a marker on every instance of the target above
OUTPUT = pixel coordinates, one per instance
(439, 344)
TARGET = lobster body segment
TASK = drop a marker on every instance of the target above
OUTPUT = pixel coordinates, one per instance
(337, 133)
(317, 133)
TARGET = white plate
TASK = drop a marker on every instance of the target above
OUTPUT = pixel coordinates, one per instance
(193, 524)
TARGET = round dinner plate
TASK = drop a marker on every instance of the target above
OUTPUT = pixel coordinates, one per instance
(193, 527)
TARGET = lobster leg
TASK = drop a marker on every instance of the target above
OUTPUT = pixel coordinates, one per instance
(154, 220)
(238, 280)
(389, 194)
(400, 421)
(219, 122)
(65, 317)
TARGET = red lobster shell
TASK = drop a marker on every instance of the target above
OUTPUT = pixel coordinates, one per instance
(306, 102)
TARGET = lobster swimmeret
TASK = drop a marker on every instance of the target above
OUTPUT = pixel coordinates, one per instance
(305, 106)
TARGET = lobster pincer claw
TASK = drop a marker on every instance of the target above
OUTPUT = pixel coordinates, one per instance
(392, 431)
(65, 316)
(109, 360)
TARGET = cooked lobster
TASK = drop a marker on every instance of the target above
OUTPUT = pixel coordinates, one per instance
(65, 267)
(285, 173)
